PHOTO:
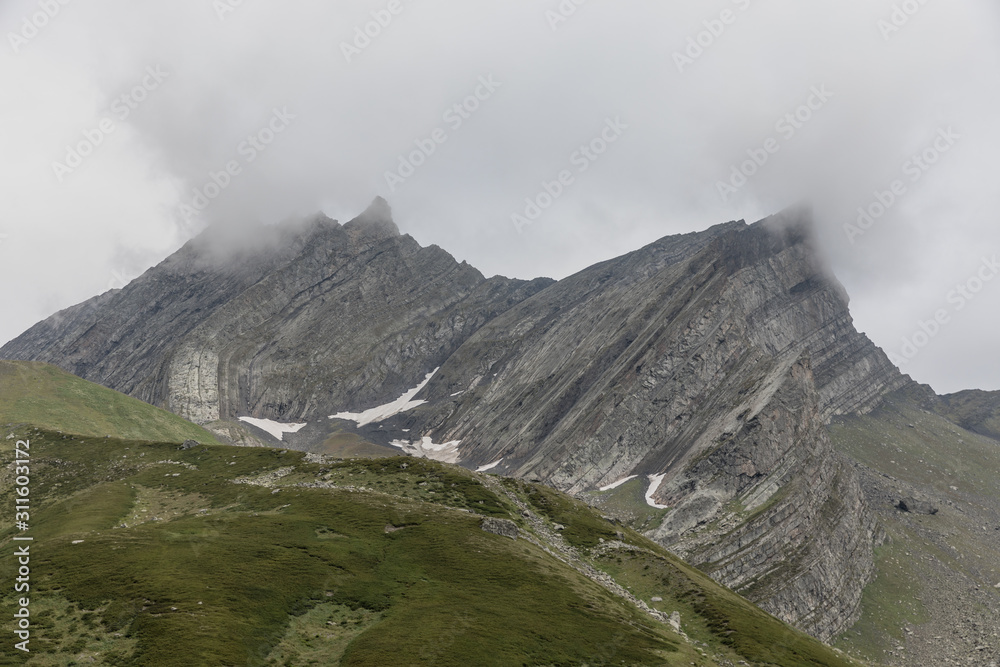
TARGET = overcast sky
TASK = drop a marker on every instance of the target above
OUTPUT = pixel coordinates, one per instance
(115, 115)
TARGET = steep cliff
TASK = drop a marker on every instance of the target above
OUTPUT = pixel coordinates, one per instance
(773, 513)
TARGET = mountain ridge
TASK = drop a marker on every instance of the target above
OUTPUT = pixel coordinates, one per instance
(173, 315)
(696, 346)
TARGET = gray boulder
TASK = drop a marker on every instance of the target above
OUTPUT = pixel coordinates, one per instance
(914, 506)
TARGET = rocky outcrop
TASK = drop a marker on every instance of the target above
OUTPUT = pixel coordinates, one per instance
(502, 527)
(914, 506)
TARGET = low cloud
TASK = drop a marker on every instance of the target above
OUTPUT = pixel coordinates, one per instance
(710, 92)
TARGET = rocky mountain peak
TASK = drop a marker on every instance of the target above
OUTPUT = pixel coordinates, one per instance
(376, 220)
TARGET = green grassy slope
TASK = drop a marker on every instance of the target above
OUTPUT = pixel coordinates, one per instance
(47, 397)
(975, 410)
(938, 572)
(147, 555)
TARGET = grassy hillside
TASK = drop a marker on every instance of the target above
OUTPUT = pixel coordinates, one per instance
(47, 397)
(937, 589)
(148, 555)
(975, 410)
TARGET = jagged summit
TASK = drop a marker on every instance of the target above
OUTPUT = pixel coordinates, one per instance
(304, 319)
(376, 219)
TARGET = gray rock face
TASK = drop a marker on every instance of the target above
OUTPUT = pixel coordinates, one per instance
(775, 515)
(635, 364)
(711, 361)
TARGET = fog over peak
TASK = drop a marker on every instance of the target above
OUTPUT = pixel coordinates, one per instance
(524, 138)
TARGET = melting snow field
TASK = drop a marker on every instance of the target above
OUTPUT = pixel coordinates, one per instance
(490, 466)
(277, 429)
(383, 412)
(654, 484)
(425, 448)
(618, 483)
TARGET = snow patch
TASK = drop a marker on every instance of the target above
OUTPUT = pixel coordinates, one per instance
(427, 449)
(654, 484)
(490, 466)
(277, 429)
(618, 483)
(383, 412)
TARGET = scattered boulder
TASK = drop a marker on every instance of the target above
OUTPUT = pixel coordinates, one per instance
(914, 506)
(656, 599)
(501, 527)
(675, 621)
(189, 444)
